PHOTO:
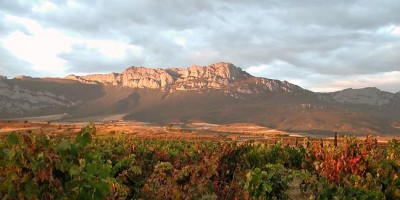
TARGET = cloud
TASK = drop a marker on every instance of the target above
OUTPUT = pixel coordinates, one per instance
(281, 70)
(387, 81)
(12, 66)
(310, 43)
(51, 52)
(100, 57)
(38, 47)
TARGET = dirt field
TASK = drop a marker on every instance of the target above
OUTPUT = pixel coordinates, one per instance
(239, 132)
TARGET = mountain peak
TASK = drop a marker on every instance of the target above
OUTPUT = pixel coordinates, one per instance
(365, 89)
(221, 70)
(228, 70)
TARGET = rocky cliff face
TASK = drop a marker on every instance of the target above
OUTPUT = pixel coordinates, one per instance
(22, 77)
(213, 76)
(141, 77)
(108, 79)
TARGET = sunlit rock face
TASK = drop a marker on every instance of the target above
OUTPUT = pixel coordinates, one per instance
(111, 79)
(22, 77)
(228, 78)
(214, 76)
(195, 77)
(141, 77)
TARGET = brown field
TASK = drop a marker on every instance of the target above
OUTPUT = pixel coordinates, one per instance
(239, 132)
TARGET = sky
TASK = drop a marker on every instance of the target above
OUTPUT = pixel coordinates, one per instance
(319, 45)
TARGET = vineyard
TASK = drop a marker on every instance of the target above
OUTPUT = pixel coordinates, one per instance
(122, 166)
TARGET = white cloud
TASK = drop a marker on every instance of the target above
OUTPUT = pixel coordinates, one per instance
(44, 6)
(112, 49)
(41, 46)
(282, 70)
(180, 41)
(390, 29)
(396, 31)
(388, 81)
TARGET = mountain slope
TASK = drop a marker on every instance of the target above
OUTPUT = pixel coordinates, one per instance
(367, 96)
(33, 97)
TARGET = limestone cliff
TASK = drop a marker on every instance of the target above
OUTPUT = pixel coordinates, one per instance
(213, 76)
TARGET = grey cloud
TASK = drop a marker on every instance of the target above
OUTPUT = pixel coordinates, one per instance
(98, 18)
(83, 59)
(6, 27)
(18, 7)
(360, 14)
(12, 66)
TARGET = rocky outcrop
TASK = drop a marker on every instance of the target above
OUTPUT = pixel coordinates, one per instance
(141, 77)
(2, 77)
(22, 77)
(111, 79)
(261, 86)
(213, 76)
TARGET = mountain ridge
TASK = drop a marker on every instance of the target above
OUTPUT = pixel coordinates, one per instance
(216, 93)
(367, 95)
(211, 76)
(161, 82)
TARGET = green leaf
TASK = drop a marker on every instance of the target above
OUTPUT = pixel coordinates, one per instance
(63, 146)
(74, 170)
(13, 139)
(74, 150)
(91, 168)
(84, 138)
(103, 189)
(30, 189)
(105, 171)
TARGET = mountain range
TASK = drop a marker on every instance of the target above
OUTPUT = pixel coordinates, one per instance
(217, 93)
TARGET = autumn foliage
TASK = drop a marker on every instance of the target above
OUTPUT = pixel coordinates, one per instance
(121, 166)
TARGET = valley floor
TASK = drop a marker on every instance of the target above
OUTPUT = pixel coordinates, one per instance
(239, 132)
